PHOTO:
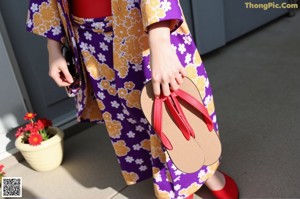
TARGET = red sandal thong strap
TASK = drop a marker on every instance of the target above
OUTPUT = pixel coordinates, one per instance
(157, 123)
(197, 105)
(182, 117)
(178, 117)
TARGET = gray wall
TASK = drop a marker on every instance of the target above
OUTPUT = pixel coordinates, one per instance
(214, 23)
(30, 51)
(12, 106)
(239, 20)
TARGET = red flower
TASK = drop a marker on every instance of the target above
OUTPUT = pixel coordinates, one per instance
(29, 116)
(28, 127)
(45, 122)
(19, 132)
(34, 130)
(1, 167)
(35, 139)
(39, 125)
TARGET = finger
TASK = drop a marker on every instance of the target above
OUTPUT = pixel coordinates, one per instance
(179, 78)
(67, 74)
(165, 89)
(182, 71)
(59, 80)
(174, 85)
(156, 88)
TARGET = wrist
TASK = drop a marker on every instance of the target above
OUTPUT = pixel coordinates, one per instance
(159, 34)
(53, 46)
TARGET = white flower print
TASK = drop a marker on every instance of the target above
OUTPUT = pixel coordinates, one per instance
(120, 116)
(84, 46)
(143, 168)
(176, 179)
(100, 86)
(98, 25)
(139, 128)
(29, 23)
(158, 178)
(113, 85)
(115, 104)
(137, 67)
(188, 58)
(132, 121)
(130, 4)
(173, 167)
(88, 36)
(144, 82)
(126, 112)
(178, 172)
(56, 30)
(166, 5)
(136, 147)
(129, 159)
(143, 120)
(187, 39)
(172, 194)
(34, 7)
(181, 48)
(148, 66)
(101, 95)
(177, 187)
(206, 83)
(214, 118)
(130, 134)
(92, 49)
(103, 46)
(139, 161)
(101, 57)
(207, 99)
(108, 38)
(201, 174)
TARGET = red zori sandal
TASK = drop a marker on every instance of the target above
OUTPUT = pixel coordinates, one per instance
(229, 191)
(183, 126)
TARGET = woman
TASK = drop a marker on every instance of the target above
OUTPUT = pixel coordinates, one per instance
(120, 45)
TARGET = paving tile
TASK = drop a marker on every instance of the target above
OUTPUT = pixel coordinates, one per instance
(89, 170)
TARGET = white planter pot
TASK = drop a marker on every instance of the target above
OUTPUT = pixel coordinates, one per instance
(46, 156)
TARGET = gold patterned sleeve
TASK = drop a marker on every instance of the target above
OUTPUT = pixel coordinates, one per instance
(43, 19)
(154, 11)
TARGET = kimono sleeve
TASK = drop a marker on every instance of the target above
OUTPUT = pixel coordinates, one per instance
(154, 11)
(43, 19)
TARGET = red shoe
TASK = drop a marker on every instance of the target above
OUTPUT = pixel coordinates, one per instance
(229, 191)
(190, 197)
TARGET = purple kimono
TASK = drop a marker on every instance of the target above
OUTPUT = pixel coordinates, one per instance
(114, 53)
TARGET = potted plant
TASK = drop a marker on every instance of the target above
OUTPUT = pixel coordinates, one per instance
(40, 143)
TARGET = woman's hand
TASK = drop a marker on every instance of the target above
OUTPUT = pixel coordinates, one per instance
(58, 69)
(167, 71)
